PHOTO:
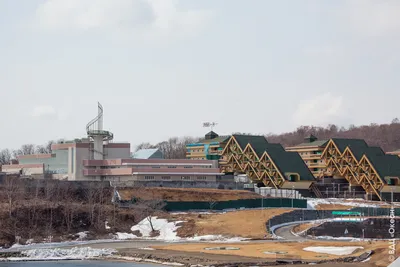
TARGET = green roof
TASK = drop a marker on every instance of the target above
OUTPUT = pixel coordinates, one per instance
(255, 140)
(319, 143)
(290, 162)
(342, 143)
(358, 152)
(285, 161)
(385, 165)
(219, 139)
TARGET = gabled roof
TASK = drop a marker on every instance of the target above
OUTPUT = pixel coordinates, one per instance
(342, 143)
(358, 152)
(285, 161)
(146, 153)
(219, 139)
(290, 162)
(211, 135)
(385, 165)
(254, 140)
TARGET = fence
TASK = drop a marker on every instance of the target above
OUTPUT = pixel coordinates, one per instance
(273, 192)
(232, 204)
(311, 215)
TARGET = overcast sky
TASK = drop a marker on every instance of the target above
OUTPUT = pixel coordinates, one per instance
(161, 68)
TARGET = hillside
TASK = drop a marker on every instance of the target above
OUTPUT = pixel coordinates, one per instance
(386, 136)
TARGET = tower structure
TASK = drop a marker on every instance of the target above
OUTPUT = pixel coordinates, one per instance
(97, 135)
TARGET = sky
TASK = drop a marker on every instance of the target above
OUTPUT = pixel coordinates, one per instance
(162, 68)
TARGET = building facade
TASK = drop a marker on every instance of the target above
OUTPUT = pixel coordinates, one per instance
(311, 152)
(97, 158)
(209, 148)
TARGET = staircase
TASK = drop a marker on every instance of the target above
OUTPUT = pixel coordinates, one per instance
(316, 191)
(95, 127)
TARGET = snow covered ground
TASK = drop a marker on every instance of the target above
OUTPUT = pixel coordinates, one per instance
(62, 254)
(339, 251)
(312, 203)
(167, 231)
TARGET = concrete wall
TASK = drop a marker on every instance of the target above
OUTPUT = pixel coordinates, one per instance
(80, 155)
(117, 153)
(181, 184)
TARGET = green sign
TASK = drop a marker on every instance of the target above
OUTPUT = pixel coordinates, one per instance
(346, 213)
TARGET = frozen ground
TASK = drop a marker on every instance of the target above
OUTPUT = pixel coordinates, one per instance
(167, 231)
(312, 203)
(339, 251)
(62, 254)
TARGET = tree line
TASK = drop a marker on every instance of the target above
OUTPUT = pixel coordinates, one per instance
(53, 209)
(386, 136)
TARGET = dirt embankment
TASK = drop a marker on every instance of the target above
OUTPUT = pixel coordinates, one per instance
(185, 194)
(244, 223)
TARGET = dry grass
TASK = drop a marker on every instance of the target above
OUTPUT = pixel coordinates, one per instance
(332, 207)
(245, 223)
(293, 250)
(186, 194)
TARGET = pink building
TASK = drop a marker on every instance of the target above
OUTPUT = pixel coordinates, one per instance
(96, 158)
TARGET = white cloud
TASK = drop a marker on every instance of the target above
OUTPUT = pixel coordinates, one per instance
(42, 111)
(319, 110)
(372, 17)
(47, 111)
(154, 16)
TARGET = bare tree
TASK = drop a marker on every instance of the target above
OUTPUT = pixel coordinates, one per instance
(5, 156)
(27, 149)
(13, 188)
(144, 146)
(147, 208)
(33, 206)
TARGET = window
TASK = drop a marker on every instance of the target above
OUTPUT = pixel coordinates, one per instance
(185, 177)
(201, 178)
(188, 167)
(155, 167)
(166, 177)
(172, 166)
(149, 177)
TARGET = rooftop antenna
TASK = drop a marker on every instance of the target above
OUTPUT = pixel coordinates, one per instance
(210, 125)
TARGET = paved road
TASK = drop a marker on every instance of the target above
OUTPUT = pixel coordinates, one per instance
(286, 233)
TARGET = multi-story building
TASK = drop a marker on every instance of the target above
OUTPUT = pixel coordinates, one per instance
(209, 148)
(97, 158)
(311, 152)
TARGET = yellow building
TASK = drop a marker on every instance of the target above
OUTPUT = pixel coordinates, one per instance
(311, 152)
(209, 148)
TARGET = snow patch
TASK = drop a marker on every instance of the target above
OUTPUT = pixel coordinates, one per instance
(312, 203)
(63, 254)
(216, 238)
(167, 230)
(106, 225)
(124, 236)
(82, 235)
(146, 248)
(339, 251)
